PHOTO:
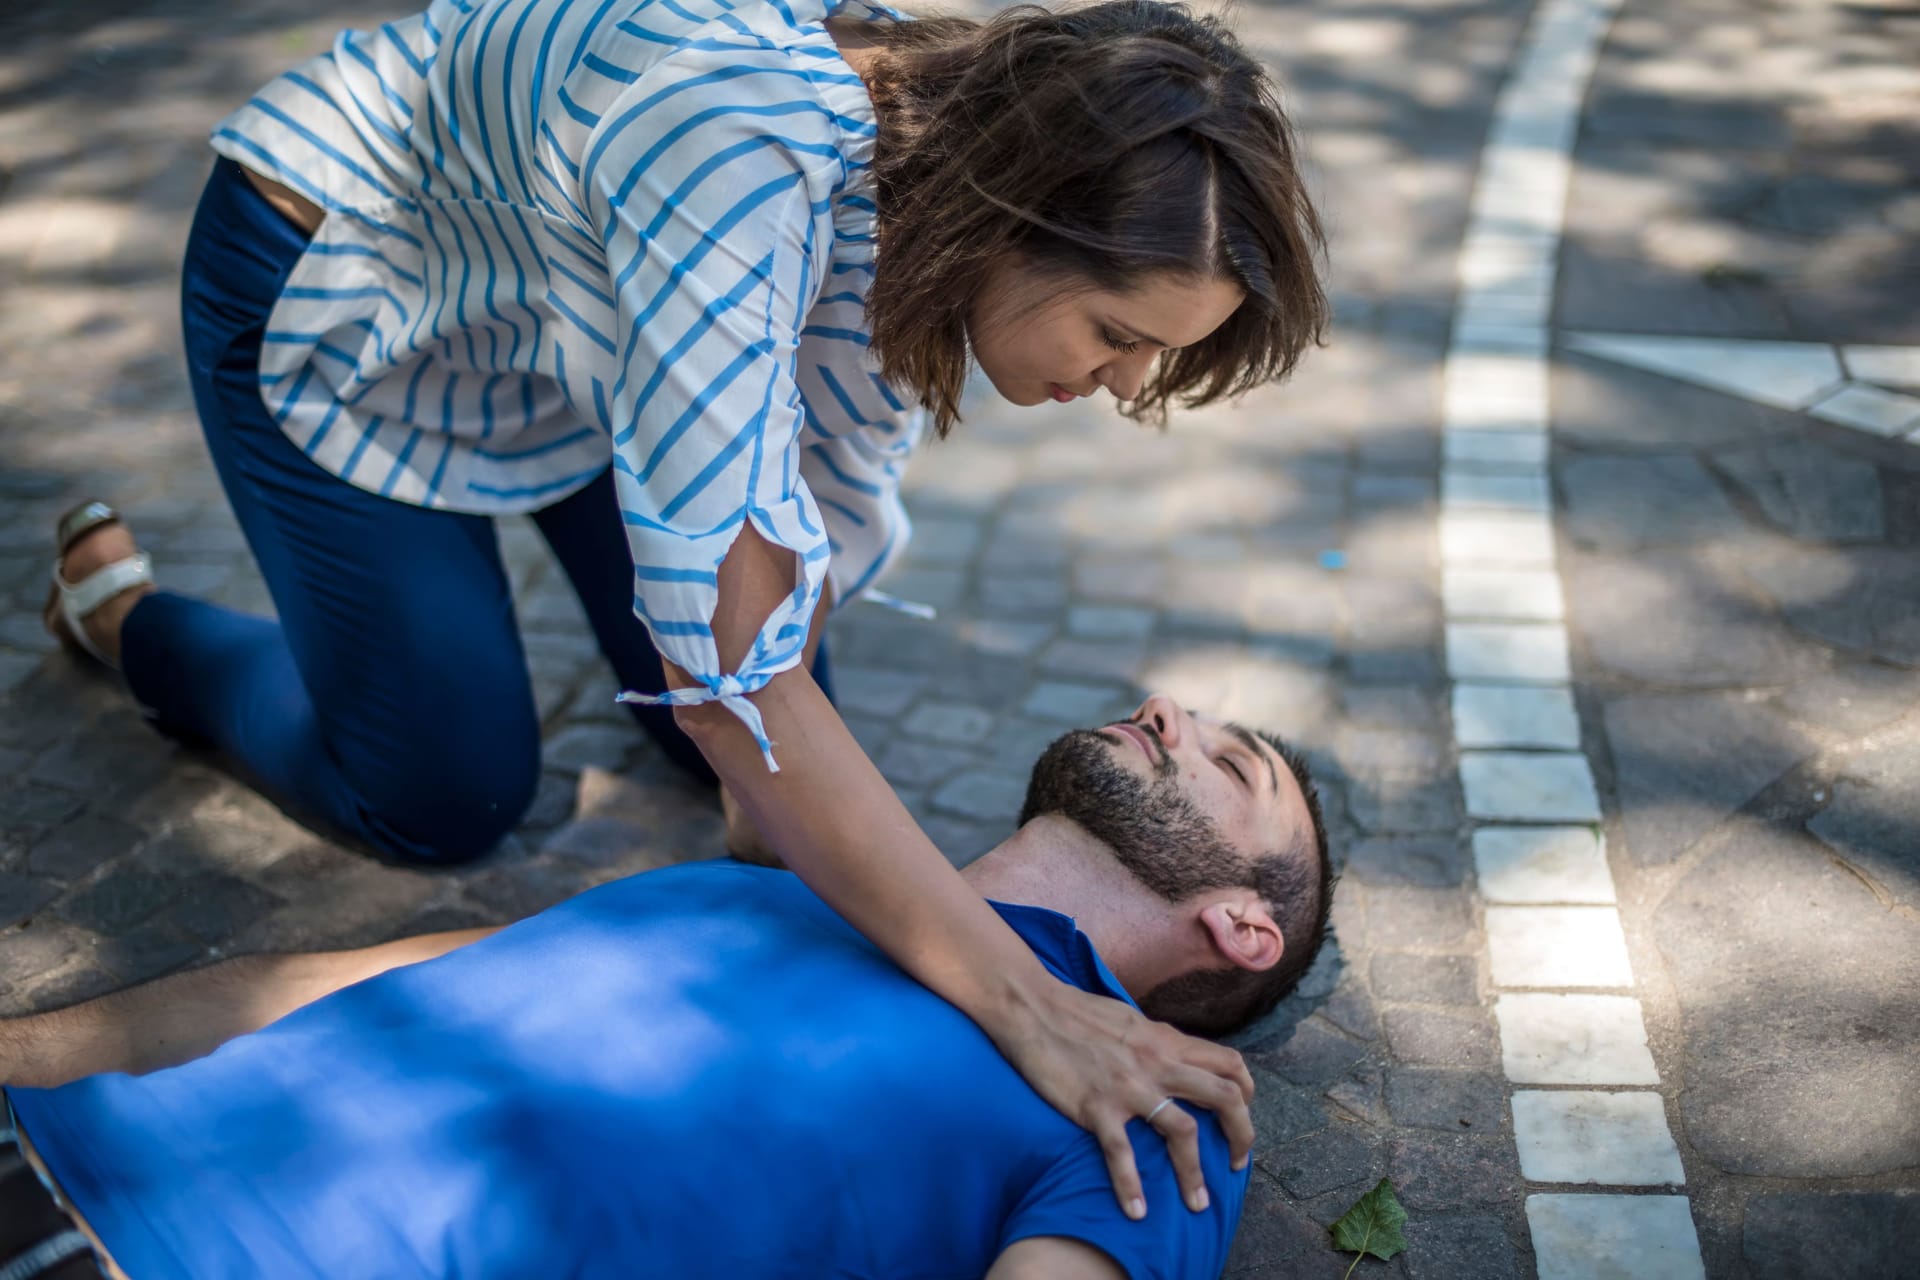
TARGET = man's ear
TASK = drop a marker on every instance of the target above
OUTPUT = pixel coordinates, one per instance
(1244, 932)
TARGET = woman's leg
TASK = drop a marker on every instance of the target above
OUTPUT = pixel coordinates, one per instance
(587, 538)
(390, 699)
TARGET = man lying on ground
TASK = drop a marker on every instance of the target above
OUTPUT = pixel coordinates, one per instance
(699, 1071)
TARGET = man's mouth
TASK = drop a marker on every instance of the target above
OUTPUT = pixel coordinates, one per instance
(1060, 393)
(1138, 736)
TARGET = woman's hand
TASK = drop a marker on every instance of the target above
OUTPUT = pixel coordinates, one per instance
(1101, 1063)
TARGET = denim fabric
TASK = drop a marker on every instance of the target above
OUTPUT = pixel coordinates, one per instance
(390, 700)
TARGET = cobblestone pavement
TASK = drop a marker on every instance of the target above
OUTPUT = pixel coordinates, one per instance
(1741, 582)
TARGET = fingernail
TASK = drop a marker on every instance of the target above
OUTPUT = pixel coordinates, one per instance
(1136, 1208)
(1240, 1164)
(1199, 1201)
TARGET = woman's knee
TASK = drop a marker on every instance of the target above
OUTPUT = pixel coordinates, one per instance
(459, 804)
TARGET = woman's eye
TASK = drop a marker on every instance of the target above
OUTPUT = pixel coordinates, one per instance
(1125, 348)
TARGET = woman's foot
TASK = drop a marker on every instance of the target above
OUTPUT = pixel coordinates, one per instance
(92, 551)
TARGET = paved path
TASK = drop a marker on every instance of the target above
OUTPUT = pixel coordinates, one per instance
(1740, 582)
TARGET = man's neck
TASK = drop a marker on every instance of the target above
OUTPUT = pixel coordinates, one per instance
(1052, 863)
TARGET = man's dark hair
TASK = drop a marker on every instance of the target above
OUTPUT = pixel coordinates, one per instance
(1097, 144)
(1297, 885)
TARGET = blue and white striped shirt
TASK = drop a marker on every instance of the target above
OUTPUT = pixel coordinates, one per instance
(563, 231)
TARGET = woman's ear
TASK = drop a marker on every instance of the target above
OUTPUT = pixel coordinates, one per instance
(1245, 933)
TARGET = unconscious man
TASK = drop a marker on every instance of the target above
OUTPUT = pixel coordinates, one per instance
(699, 1071)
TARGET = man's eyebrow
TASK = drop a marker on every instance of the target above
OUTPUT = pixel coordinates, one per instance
(1253, 744)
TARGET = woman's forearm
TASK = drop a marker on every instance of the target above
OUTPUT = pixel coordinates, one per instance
(837, 823)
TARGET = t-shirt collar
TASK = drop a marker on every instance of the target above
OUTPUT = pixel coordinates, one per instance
(1067, 952)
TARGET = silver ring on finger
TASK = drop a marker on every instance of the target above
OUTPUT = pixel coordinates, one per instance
(1162, 1105)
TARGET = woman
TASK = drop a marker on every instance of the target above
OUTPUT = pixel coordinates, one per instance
(668, 275)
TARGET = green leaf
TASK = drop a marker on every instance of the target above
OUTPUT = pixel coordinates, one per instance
(1372, 1225)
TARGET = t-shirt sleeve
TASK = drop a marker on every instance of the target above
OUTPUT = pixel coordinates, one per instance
(707, 214)
(1074, 1198)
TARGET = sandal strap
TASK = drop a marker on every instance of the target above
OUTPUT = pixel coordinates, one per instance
(80, 521)
(79, 599)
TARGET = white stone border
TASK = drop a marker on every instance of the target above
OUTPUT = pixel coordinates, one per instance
(1551, 916)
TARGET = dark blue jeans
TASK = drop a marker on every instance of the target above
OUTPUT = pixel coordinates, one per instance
(391, 699)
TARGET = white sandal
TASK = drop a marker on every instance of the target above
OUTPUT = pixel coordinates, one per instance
(76, 601)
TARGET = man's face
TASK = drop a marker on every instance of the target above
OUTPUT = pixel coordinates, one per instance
(1185, 803)
(1038, 339)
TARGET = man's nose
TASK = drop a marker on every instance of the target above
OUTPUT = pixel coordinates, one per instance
(1163, 714)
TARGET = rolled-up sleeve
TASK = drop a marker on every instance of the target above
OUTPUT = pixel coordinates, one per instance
(710, 215)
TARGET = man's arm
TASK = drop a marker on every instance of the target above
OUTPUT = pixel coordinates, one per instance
(188, 1015)
(1053, 1258)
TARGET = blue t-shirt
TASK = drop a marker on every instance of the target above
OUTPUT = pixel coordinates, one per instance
(701, 1071)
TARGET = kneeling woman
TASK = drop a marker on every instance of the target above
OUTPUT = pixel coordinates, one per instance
(678, 278)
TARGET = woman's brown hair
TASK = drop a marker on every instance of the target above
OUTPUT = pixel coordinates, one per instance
(1099, 144)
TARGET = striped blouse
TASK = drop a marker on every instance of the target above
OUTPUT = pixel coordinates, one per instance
(560, 232)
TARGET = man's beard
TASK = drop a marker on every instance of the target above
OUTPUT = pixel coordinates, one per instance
(1154, 830)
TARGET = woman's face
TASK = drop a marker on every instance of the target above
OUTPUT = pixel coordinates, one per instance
(1037, 338)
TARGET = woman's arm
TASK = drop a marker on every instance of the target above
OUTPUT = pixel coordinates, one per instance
(839, 825)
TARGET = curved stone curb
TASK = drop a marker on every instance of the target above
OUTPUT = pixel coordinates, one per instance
(1558, 954)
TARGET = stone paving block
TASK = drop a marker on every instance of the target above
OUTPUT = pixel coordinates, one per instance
(1350, 1008)
(211, 907)
(118, 900)
(1343, 1154)
(1504, 540)
(28, 811)
(1574, 1039)
(1541, 865)
(1282, 1113)
(1441, 1172)
(21, 896)
(908, 763)
(954, 722)
(1408, 802)
(1892, 366)
(1557, 947)
(34, 953)
(1855, 598)
(1432, 862)
(1412, 666)
(1504, 451)
(985, 795)
(1424, 979)
(1684, 762)
(1506, 786)
(146, 952)
(1584, 1136)
(1109, 622)
(1460, 1247)
(1005, 638)
(1812, 491)
(1508, 652)
(1765, 920)
(1710, 633)
(964, 839)
(1626, 503)
(1456, 1101)
(1313, 1054)
(80, 846)
(1858, 1235)
(1079, 705)
(1486, 491)
(874, 692)
(1519, 595)
(1870, 409)
(1460, 1039)
(1786, 375)
(1420, 919)
(1278, 1238)
(1131, 581)
(1118, 660)
(1509, 715)
(1873, 813)
(1601, 1237)
(1381, 706)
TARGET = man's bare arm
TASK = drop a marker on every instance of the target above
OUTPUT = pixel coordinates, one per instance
(1053, 1258)
(188, 1015)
